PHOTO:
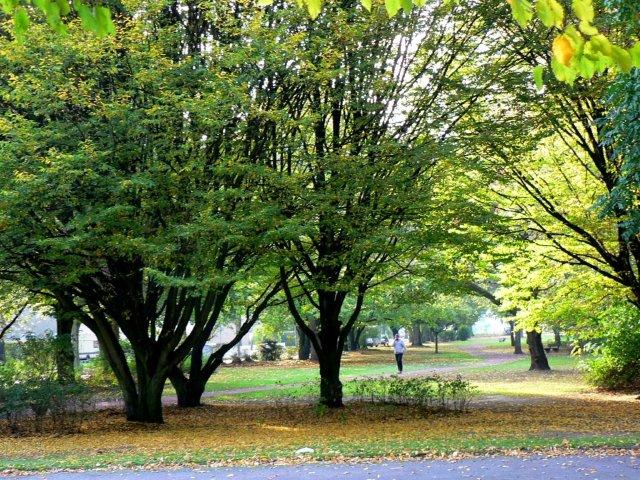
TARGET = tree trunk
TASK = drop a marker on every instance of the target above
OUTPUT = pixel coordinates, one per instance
(435, 336)
(304, 345)
(3, 357)
(558, 339)
(188, 390)
(313, 355)
(511, 333)
(536, 350)
(75, 342)
(416, 336)
(65, 358)
(517, 343)
(394, 330)
(330, 384)
(354, 339)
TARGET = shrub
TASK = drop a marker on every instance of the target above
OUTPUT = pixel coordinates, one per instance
(617, 365)
(464, 333)
(430, 392)
(270, 351)
(29, 389)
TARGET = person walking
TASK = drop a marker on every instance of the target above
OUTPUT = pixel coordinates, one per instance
(399, 348)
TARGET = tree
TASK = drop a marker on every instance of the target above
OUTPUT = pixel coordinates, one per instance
(360, 145)
(154, 216)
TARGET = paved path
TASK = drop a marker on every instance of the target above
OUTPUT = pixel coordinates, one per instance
(494, 468)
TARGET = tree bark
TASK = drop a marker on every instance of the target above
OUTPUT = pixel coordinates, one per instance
(330, 384)
(354, 339)
(304, 345)
(511, 333)
(435, 336)
(539, 359)
(65, 358)
(517, 343)
(416, 335)
(3, 357)
(188, 390)
(558, 339)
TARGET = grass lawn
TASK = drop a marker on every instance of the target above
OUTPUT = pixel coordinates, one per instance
(566, 413)
(256, 433)
(375, 361)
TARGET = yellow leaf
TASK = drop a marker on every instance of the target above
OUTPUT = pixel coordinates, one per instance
(563, 49)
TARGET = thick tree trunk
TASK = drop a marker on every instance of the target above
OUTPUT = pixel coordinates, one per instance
(330, 384)
(558, 339)
(539, 359)
(304, 345)
(3, 357)
(416, 335)
(517, 343)
(188, 390)
(65, 358)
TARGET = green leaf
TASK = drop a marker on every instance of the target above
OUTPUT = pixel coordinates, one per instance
(583, 10)
(63, 5)
(407, 5)
(622, 58)
(86, 15)
(103, 21)
(538, 71)
(550, 13)
(393, 6)
(314, 7)
(588, 29)
(366, 4)
(601, 44)
(634, 52)
(20, 21)
(265, 3)
(522, 11)
(8, 6)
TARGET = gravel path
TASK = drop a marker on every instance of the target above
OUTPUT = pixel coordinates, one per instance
(619, 467)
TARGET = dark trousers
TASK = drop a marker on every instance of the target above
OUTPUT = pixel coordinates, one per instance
(399, 361)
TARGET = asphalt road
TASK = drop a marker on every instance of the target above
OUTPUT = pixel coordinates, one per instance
(497, 468)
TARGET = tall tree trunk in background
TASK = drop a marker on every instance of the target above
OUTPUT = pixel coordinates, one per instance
(75, 342)
(65, 358)
(416, 336)
(539, 359)
(304, 345)
(313, 355)
(558, 339)
(511, 333)
(517, 342)
(354, 339)
(3, 357)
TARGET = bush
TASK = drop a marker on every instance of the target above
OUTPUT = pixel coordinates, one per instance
(431, 392)
(464, 333)
(270, 351)
(617, 365)
(29, 389)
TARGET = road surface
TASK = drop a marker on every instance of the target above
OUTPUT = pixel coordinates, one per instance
(492, 468)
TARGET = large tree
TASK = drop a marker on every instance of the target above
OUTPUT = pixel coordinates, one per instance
(358, 112)
(127, 191)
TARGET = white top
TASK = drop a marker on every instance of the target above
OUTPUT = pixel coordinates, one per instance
(399, 346)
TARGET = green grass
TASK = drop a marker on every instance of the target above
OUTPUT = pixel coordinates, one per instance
(323, 452)
(355, 365)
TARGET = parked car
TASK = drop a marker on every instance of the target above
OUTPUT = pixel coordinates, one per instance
(384, 341)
